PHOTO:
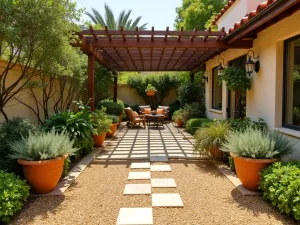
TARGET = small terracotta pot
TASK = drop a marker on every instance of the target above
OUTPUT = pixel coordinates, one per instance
(215, 153)
(150, 93)
(99, 139)
(113, 129)
(43, 176)
(179, 123)
(248, 170)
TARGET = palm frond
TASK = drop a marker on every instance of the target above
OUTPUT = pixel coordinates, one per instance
(120, 19)
(126, 18)
(94, 20)
(109, 17)
(143, 27)
(135, 23)
(98, 17)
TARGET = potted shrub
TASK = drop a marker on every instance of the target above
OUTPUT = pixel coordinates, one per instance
(114, 125)
(113, 108)
(42, 158)
(150, 90)
(253, 150)
(101, 126)
(178, 117)
(209, 139)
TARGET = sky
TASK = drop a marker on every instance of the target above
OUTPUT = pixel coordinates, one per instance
(157, 13)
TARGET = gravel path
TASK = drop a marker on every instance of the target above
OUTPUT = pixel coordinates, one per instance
(97, 195)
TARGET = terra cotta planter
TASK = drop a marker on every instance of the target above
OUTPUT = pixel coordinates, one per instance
(99, 139)
(179, 123)
(43, 176)
(216, 153)
(248, 170)
(113, 129)
(150, 93)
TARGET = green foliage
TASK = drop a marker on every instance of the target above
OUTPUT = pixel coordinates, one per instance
(280, 184)
(296, 115)
(113, 108)
(42, 146)
(13, 194)
(78, 124)
(178, 115)
(150, 87)
(236, 79)
(243, 124)
(114, 119)
(101, 122)
(13, 130)
(104, 81)
(211, 136)
(196, 13)
(192, 125)
(253, 143)
(193, 110)
(191, 92)
(112, 23)
(231, 163)
(123, 77)
(66, 166)
(174, 107)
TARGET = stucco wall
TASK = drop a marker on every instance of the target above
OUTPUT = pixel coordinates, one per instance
(130, 97)
(264, 100)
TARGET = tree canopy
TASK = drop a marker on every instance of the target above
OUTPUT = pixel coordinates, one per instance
(196, 13)
(110, 21)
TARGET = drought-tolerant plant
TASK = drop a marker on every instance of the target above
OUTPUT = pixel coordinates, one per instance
(13, 130)
(43, 146)
(192, 125)
(13, 194)
(211, 136)
(255, 144)
(191, 92)
(113, 118)
(280, 184)
(242, 124)
(101, 122)
(150, 87)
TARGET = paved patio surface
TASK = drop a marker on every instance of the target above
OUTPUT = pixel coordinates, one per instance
(140, 143)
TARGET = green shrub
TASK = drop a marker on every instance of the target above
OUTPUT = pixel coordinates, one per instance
(42, 146)
(112, 108)
(193, 110)
(174, 107)
(243, 124)
(113, 118)
(13, 193)
(101, 122)
(211, 136)
(150, 87)
(231, 163)
(13, 130)
(191, 92)
(79, 125)
(253, 143)
(280, 184)
(296, 115)
(178, 115)
(195, 123)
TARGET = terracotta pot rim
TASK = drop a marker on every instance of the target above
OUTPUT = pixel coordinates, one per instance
(44, 162)
(255, 160)
(100, 134)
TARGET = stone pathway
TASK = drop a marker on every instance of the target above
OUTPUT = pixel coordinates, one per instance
(145, 215)
(151, 143)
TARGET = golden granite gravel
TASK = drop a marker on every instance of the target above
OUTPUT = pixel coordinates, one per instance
(97, 195)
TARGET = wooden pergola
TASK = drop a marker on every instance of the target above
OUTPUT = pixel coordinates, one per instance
(151, 50)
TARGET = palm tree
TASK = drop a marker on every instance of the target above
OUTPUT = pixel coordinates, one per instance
(109, 19)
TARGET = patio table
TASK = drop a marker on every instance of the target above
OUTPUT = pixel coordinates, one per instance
(157, 119)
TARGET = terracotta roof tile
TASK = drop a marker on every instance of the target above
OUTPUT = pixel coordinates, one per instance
(225, 8)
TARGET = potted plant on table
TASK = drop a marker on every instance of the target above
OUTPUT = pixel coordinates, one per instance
(209, 139)
(113, 126)
(150, 90)
(253, 150)
(42, 158)
(101, 126)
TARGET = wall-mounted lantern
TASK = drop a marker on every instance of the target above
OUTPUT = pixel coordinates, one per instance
(221, 67)
(250, 65)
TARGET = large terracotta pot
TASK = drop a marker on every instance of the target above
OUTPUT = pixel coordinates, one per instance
(216, 153)
(113, 129)
(43, 176)
(99, 139)
(150, 93)
(248, 170)
(179, 123)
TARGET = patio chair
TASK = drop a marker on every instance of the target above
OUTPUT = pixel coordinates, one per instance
(142, 108)
(134, 119)
(166, 111)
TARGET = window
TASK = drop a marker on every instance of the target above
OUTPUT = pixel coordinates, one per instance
(291, 99)
(216, 91)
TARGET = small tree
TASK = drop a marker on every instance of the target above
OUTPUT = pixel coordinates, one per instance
(236, 80)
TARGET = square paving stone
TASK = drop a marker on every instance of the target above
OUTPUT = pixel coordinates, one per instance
(166, 200)
(163, 183)
(160, 168)
(137, 189)
(135, 216)
(139, 175)
(157, 158)
(142, 165)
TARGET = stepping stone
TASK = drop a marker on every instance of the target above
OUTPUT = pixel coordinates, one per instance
(135, 216)
(166, 200)
(160, 168)
(137, 189)
(143, 165)
(139, 175)
(163, 183)
(156, 158)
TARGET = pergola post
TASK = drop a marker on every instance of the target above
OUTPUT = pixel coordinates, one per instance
(192, 77)
(91, 81)
(115, 87)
